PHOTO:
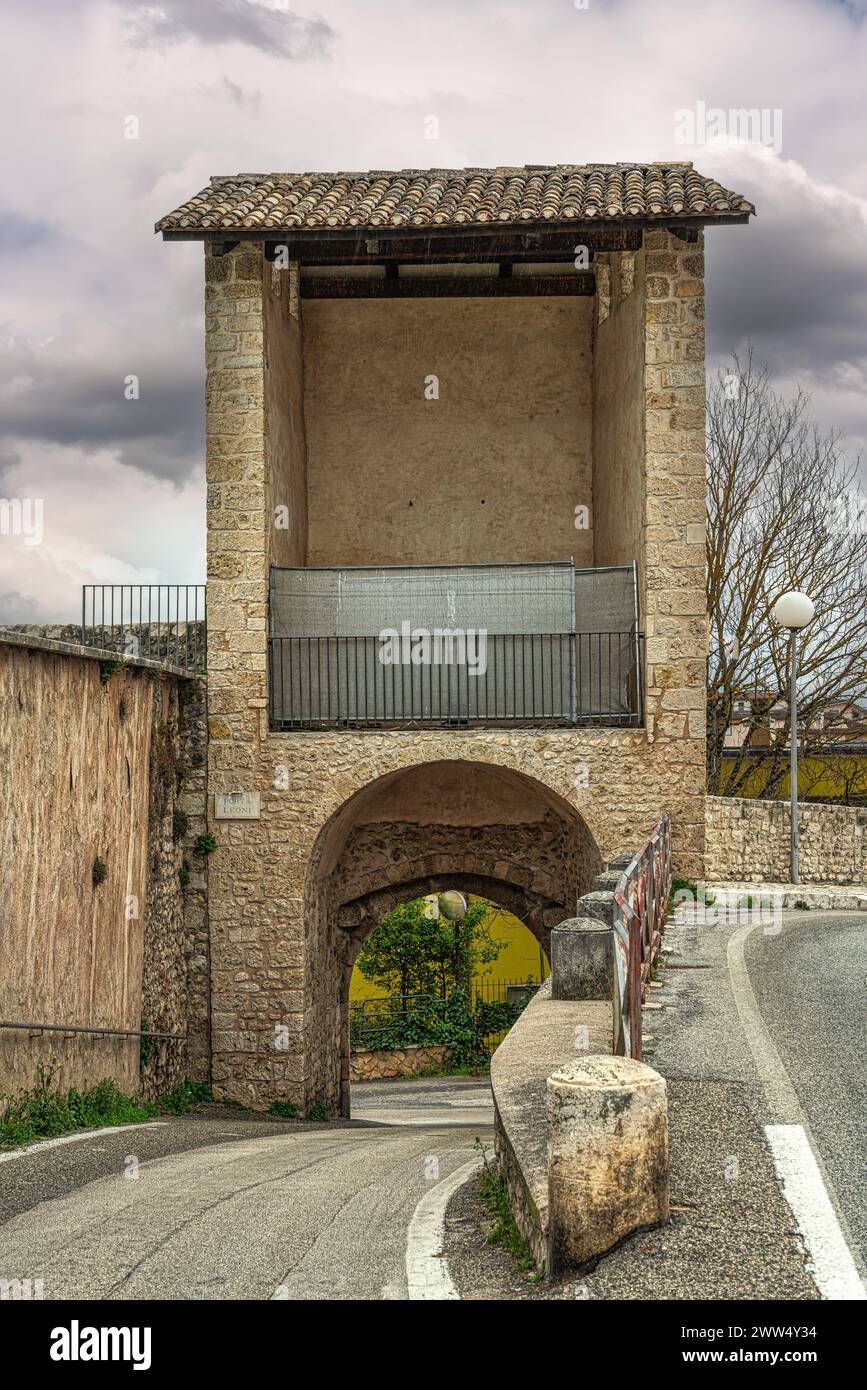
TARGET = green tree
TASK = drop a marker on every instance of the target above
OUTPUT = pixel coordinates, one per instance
(408, 953)
(398, 954)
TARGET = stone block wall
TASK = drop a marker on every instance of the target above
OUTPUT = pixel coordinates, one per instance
(674, 602)
(748, 841)
(175, 988)
(370, 1064)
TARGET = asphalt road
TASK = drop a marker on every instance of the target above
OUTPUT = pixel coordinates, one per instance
(750, 1027)
(810, 983)
(229, 1206)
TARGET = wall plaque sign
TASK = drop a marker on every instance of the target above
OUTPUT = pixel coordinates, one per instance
(237, 806)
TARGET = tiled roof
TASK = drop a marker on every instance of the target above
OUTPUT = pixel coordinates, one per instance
(459, 198)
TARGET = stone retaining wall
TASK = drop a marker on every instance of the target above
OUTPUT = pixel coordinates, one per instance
(748, 841)
(549, 1033)
(380, 1065)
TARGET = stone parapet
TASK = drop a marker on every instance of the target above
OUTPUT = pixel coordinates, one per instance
(748, 841)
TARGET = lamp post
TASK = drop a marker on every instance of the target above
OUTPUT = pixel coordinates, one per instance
(795, 611)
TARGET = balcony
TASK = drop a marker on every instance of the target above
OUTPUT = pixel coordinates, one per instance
(454, 646)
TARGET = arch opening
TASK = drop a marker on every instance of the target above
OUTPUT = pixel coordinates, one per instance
(483, 828)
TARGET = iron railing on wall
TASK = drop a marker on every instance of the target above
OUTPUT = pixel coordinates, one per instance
(163, 622)
(640, 909)
(519, 678)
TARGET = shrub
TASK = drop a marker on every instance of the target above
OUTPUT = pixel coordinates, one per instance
(286, 1109)
(46, 1110)
(184, 1094)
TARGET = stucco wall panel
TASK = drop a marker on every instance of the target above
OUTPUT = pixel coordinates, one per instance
(490, 471)
(78, 758)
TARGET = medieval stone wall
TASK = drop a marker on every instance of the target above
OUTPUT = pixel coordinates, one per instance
(748, 841)
(382, 1065)
(618, 413)
(175, 988)
(278, 971)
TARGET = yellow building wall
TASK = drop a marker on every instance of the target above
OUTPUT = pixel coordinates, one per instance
(522, 958)
(826, 777)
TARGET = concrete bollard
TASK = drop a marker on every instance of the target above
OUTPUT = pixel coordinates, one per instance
(582, 959)
(607, 1156)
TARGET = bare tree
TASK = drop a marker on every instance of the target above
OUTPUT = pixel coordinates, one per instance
(783, 513)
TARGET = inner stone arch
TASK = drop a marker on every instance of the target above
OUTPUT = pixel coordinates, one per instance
(481, 827)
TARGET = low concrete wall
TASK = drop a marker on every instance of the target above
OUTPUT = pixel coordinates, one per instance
(380, 1065)
(548, 1034)
(748, 841)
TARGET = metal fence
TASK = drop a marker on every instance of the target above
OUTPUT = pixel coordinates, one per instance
(517, 992)
(374, 1022)
(163, 622)
(519, 678)
(640, 909)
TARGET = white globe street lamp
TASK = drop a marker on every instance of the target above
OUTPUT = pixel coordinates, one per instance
(795, 611)
(452, 905)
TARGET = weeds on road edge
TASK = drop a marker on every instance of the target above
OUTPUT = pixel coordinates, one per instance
(46, 1110)
(504, 1231)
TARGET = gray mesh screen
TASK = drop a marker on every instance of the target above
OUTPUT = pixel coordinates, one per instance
(471, 644)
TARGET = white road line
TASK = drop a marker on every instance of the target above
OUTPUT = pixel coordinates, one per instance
(427, 1273)
(831, 1263)
(76, 1138)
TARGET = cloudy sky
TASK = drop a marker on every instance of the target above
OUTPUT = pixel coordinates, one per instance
(90, 295)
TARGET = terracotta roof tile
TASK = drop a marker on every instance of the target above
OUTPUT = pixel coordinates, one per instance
(454, 197)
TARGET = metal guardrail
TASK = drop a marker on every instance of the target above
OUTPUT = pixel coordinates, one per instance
(520, 678)
(640, 910)
(163, 622)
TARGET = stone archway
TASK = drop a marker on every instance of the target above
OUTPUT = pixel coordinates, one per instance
(486, 828)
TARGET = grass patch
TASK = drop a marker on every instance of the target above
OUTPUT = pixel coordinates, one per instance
(318, 1113)
(804, 907)
(47, 1110)
(480, 1068)
(183, 1096)
(504, 1229)
(286, 1109)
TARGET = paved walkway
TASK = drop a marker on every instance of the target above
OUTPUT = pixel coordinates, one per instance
(825, 897)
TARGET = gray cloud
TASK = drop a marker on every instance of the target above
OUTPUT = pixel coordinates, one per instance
(272, 29)
(16, 608)
(251, 101)
(54, 398)
(91, 296)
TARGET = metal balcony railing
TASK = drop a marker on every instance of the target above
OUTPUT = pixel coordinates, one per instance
(448, 645)
(163, 622)
(497, 678)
